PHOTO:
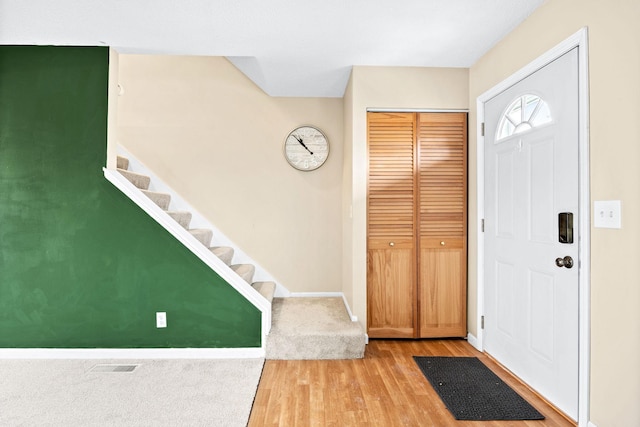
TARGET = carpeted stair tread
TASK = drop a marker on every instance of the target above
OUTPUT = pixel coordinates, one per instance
(245, 271)
(139, 180)
(313, 328)
(204, 235)
(225, 253)
(161, 199)
(181, 217)
(266, 289)
(122, 163)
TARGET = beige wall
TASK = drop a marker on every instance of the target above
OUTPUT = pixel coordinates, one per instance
(614, 67)
(384, 88)
(217, 139)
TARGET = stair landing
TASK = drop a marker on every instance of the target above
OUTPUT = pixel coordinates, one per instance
(313, 328)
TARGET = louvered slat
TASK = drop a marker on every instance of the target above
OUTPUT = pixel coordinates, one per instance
(391, 257)
(442, 224)
(391, 180)
(442, 175)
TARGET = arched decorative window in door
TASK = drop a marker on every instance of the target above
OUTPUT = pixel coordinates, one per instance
(524, 113)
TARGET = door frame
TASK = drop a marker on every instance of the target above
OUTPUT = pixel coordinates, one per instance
(579, 40)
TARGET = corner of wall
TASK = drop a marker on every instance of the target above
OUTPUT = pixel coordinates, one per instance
(112, 109)
(347, 205)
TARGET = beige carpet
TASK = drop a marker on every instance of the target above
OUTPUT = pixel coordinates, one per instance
(313, 328)
(157, 393)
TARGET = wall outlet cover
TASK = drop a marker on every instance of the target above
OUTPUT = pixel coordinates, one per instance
(161, 319)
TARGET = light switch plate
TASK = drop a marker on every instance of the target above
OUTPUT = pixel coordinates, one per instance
(607, 214)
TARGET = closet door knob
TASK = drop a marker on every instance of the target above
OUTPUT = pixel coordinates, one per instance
(391, 244)
(442, 243)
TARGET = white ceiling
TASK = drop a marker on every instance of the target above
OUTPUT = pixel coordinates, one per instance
(287, 47)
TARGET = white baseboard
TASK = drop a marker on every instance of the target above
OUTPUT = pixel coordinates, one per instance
(315, 294)
(590, 424)
(132, 353)
(351, 315)
(471, 339)
(326, 295)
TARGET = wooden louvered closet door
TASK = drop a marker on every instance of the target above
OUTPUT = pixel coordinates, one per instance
(416, 225)
(391, 254)
(442, 138)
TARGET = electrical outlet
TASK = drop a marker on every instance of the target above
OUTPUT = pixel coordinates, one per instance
(607, 214)
(161, 319)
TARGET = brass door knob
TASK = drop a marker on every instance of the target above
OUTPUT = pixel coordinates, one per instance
(391, 244)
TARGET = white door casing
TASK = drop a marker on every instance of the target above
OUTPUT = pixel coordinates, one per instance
(579, 40)
(531, 176)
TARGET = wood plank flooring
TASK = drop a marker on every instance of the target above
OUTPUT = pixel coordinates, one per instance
(386, 388)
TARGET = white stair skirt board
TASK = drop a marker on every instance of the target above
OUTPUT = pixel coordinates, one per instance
(199, 221)
(190, 242)
(132, 353)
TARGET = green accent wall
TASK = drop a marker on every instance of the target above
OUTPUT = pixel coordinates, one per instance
(81, 266)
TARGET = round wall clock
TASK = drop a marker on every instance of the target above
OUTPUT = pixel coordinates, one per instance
(306, 148)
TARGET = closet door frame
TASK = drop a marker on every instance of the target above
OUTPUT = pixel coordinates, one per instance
(416, 217)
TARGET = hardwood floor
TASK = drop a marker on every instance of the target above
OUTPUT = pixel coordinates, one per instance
(386, 388)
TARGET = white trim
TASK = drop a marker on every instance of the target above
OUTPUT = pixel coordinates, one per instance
(315, 294)
(326, 295)
(584, 359)
(191, 243)
(579, 40)
(471, 339)
(351, 315)
(132, 353)
(479, 339)
(590, 424)
(576, 40)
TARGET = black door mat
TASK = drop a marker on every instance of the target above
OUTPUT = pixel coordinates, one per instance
(472, 392)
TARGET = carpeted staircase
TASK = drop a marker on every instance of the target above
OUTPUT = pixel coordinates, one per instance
(301, 328)
(204, 236)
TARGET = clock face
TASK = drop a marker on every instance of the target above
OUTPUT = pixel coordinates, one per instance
(306, 148)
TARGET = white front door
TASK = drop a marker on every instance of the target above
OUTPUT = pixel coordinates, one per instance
(531, 190)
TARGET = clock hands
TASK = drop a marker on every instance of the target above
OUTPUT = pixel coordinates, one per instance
(299, 139)
(310, 149)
